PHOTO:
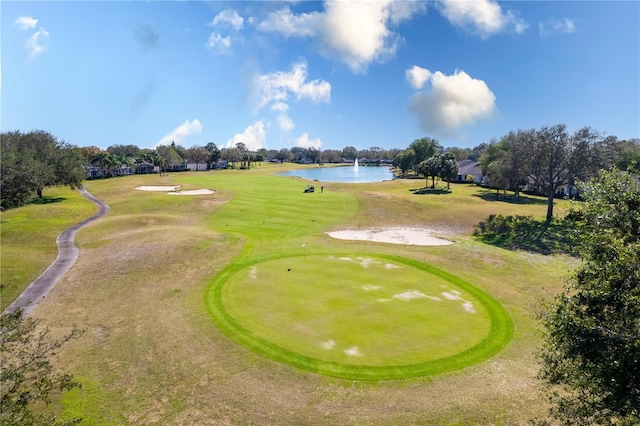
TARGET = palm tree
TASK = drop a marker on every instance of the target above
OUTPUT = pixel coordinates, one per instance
(430, 168)
(448, 167)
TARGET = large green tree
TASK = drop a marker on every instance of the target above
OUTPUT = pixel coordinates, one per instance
(591, 354)
(32, 161)
(555, 159)
(424, 148)
(214, 153)
(405, 160)
(197, 154)
(169, 154)
(349, 153)
(28, 376)
(505, 162)
(546, 159)
(626, 153)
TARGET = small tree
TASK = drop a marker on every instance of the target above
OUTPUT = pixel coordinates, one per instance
(27, 374)
(591, 354)
(405, 160)
(430, 168)
(197, 154)
(448, 167)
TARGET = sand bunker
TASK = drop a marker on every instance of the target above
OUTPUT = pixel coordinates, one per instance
(193, 192)
(407, 236)
(173, 190)
(158, 188)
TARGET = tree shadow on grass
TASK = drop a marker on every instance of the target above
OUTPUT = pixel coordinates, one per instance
(429, 190)
(47, 200)
(529, 234)
(490, 195)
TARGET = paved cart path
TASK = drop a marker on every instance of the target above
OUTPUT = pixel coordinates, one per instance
(67, 255)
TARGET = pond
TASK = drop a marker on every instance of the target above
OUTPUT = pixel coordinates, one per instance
(345, 174)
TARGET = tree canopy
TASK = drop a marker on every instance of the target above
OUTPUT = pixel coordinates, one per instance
(546, 159)
(33, 161)
(27, 373)
(591, 355)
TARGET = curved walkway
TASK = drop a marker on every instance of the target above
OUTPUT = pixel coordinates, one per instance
(67, 255)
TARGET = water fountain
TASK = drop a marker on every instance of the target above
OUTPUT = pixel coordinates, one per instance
(355, 165)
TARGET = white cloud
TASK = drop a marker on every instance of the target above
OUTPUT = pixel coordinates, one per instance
(219, 44)
(482, 17)
(305, 142)
(278, 86)
(566, 26)
(178, 134)
(280, 107)
(228, 18)
(452, 102)
(26, 22)
(283, 21)
(253, 137)
(276, 89)
(285, 122)
(353, 32)
(34, 43)
(417, 76)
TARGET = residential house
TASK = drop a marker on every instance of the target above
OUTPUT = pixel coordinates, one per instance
(145, 168)
(470, 168)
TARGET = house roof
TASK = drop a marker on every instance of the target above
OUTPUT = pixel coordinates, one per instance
(469, 167)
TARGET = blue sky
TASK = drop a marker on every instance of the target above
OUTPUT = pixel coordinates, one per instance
(325, 74)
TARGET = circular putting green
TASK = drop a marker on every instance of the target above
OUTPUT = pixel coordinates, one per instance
(359, 317)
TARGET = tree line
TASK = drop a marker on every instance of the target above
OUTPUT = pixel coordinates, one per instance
(544, 160)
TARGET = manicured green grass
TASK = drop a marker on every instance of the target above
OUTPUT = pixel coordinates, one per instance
(358, 316)
(29, 234)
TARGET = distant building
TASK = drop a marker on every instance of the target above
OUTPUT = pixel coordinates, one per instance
(469, 168)
(220, 164)
(145, 168)
(95, 172)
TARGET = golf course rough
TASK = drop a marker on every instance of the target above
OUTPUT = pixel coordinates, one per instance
(364, 316)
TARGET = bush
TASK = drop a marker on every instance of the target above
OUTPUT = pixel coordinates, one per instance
(527, 233)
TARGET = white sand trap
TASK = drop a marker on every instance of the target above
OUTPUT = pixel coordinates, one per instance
(193, 192)
(158, 188)
(406, 236)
